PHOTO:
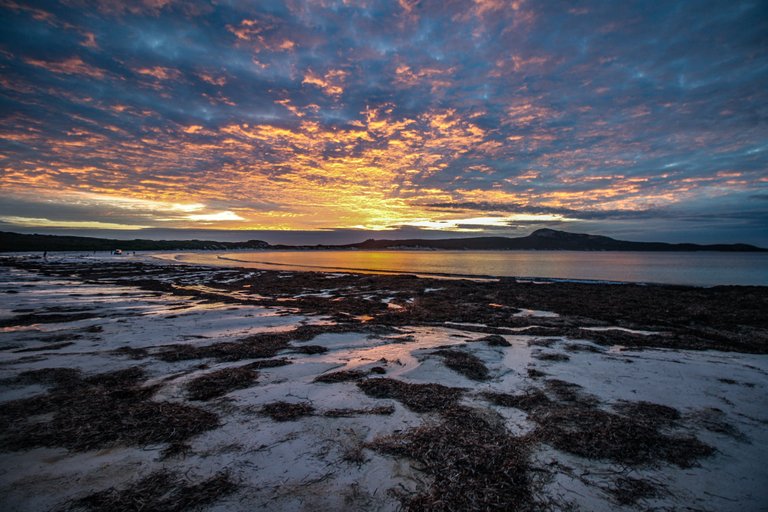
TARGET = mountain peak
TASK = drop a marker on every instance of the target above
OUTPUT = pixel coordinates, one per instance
(547, 233)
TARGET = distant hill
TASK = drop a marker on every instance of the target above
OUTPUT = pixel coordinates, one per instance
(13, 242)
(541, 240)
(548, 240)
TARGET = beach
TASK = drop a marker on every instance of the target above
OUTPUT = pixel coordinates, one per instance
(130, 383)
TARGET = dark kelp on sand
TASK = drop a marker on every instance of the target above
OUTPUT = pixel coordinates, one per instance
(417, 397)
(221, 382)
(637, 433)
(99, 411)
(161, 491)
(287, 411)
(464, 363)
(474, 463)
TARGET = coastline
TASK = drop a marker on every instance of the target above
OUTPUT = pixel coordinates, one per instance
(580, 349)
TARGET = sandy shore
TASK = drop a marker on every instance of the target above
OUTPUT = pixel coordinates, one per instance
(129, 384)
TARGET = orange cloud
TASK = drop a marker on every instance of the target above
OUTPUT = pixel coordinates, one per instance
(160, 73)
(247, 31)
(89, 40)
(213, 80)
(262, 34)
(70, 66)
(408, 5)
(331, 83)
(293, 109)
(436, 78)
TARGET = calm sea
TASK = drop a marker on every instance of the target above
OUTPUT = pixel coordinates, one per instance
(692, 268)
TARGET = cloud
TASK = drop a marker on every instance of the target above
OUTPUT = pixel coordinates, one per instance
(69, 66)
(160, 73)
(326, 115)
(214, 217)
(331, 83)
(39, 222)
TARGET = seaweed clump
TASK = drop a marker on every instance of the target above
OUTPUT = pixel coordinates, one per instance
(648, 411)
(286, 411)
(474, 462)
(466, 364)
(340, 376)
(254, 347)
(551, 356)
(417, 397)
(527, 401)
(628, 490)
(633, 439)
(103, 410)
(161, 491)
(221, 382)
(257, 346)
(569, 420)
(382, 410)
(495, 340)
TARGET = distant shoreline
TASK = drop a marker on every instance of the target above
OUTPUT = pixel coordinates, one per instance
(542, 240)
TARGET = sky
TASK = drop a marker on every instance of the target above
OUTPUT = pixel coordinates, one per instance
(337, 121)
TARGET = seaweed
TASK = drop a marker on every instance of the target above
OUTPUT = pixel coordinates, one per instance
(570, 392)
(268, 363)
(466, 364)
(474, 463)
(495, 340)
(382, 410)
(257, 346)
(551, 356)
(43, 318)
(648, 411)
(132, 352)
(286, 411)
(52, 346)
(51, 376)
(417, 397)
(104, 410)
(628, 490)
(595, 434)
(340, 376)
(220, 382)
(527, 401)
(161, 491)
(310, 349)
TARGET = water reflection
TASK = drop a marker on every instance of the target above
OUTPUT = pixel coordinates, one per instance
(701, 268)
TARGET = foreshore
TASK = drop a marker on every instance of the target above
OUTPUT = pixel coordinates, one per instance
(171, 387)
